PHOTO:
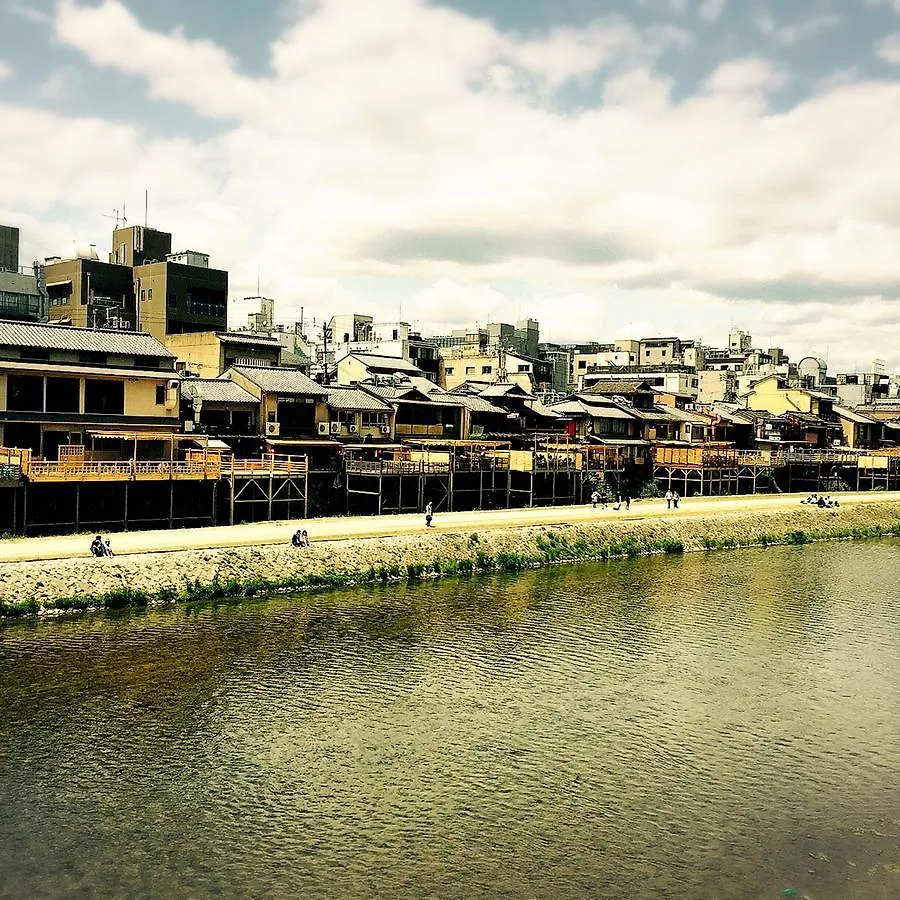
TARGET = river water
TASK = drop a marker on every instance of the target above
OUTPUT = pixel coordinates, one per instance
(720, 725)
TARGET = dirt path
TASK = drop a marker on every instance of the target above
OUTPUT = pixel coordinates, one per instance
(338, 529)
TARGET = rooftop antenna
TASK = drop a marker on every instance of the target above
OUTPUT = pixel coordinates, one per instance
(146, 205)
(257, 282)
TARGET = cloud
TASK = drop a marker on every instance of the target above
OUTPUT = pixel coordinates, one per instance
(407, 152)
(29, 12)
(789, 35)
(6, 70)
(711, 10)
(888, 49)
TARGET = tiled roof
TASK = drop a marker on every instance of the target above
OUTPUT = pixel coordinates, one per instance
(277, 380)
(504, 390)
(622, 388)
(853, 416)
(541, 409)
(477, 404)
(354, 399)
(425, 386)
(386, 363)
(90, 340)
(217, 390)
(256, 340)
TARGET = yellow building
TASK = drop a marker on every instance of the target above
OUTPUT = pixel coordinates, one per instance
(208, 354)
(773, 395)
(59, 383)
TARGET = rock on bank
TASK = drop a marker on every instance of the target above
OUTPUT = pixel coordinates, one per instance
(207, 574)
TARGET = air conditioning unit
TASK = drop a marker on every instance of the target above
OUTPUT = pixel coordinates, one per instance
(323, 428)
(273, 429)
(352, 429)
(335, 427)
(385, 429)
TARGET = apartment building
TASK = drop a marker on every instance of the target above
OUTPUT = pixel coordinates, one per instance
(59, 384)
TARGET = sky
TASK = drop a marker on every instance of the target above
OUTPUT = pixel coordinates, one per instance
(619, 169)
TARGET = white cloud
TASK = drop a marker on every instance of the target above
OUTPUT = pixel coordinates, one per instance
(711, 10)
(888, 49)
(788, 35)
(30, 12)
(890, 4)
(5, 70)
(402, 152)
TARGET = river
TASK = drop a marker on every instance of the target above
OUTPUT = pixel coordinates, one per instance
(721, 725)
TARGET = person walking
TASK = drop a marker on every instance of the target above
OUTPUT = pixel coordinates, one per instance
(675, 499)
(669, 496)
(595, 498)
(429, 514)
(627, 498)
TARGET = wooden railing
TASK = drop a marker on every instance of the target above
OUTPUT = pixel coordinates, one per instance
(125, 470)
(276, 465)
(405, 430)
(394, 467)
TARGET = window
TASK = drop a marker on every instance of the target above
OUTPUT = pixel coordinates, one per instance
(105, 398)
(646, 353)
(172, 301)
(160, 394)
(143, 296)
(35, 354)
(582, 363)
(63, 395)
(524, 368)
(91, 358)
(373, 420)
(664, 353)
(25, 393)
(486, 370)
(150, 294)
(449, 370)
(470, 370)
(396, 334)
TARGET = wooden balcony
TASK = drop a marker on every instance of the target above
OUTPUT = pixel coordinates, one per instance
(394, 467)
(124, 470)
(269, 465)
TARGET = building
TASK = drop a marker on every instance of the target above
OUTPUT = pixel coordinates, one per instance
(137, 245)
(739, 342)
(460, 364)
(208, 354)
(812, 371)
(395, 340)
(264, 320)
(715, 386)
(85, 292)
(177, 298)
(358, 367)
(218, 406)
(659, 351)
(287, 399)
(9, 248)
(21, 297)
(683, 381)
(60, 385)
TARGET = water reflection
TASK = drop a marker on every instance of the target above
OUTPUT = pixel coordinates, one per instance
(717, 725)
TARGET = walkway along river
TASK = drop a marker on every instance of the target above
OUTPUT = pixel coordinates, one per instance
(703, 726)
(400, 548)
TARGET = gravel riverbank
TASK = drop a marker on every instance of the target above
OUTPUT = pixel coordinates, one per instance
(35, 587)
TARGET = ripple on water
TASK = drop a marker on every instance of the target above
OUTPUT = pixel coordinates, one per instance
(707, 726)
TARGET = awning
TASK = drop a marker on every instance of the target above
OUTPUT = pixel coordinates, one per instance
(214, 444)
(308, 442)
(51, 284)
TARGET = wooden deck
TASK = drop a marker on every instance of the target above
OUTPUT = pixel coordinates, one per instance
(123, 470)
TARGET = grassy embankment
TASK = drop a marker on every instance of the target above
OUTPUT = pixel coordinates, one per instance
(478, 554)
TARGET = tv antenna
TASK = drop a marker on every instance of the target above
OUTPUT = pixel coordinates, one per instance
(121, 220)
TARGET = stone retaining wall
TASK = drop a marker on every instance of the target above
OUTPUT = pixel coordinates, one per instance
(197, 574)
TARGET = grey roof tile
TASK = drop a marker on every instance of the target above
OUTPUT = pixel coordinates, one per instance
(277, 380)
(66, 337)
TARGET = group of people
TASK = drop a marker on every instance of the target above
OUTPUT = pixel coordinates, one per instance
(300, 538)
(821, 501)
(672, 498)
(603, 499)
(100, 547)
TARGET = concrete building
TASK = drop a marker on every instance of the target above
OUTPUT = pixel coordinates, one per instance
(9, 248)
(739, 342)
(659, 351)
(85, 292)
(173, 298)
(207, 354)
(21, 297)
(136, 245)
(63, 385)
(682, 381)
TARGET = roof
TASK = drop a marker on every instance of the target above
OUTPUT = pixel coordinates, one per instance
(619, 387)
(256, 340)
(578, 406)
(217, 390)
(278, 380)
(504, 390)
(377, 363)
(89, 340)
(541, 409)
(425, 386)
(354, 399)
(14, 283)
(852, 416)
(477, 404)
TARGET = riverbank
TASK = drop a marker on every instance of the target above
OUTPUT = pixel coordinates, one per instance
(476, 544)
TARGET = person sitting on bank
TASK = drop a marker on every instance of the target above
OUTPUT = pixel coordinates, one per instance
(300, 538)
(107, 549)
(97, 548)
(821, 503)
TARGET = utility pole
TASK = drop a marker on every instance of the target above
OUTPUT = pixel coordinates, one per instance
(326, 333)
